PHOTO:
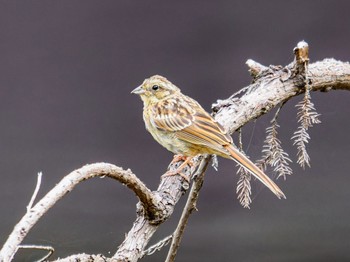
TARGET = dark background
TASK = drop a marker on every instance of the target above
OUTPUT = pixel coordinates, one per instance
(66, 72)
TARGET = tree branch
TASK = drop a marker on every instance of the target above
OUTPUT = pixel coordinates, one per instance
(66, 185)
(36, 190)
(189, 207)
(170, 190)
(276, 85)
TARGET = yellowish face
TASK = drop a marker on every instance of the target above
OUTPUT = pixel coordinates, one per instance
(155, 88)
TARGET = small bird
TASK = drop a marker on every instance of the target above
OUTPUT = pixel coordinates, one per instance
(182, 126)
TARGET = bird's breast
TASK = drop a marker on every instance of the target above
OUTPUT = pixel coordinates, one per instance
(165, 138)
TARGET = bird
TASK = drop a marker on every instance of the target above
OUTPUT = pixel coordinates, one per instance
(181, 125)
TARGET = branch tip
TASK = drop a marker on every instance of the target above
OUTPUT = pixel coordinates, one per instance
(35, 193)
(255, 68)
(301, 52)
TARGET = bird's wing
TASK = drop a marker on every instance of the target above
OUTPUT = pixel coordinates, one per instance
(190, 122)
(172, 115)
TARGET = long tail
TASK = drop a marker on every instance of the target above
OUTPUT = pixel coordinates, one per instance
(254, 170)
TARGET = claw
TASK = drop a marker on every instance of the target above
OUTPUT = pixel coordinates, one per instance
(177, 158)
(174, 173)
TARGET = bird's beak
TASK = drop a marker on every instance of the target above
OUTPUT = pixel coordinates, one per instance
(138, 90)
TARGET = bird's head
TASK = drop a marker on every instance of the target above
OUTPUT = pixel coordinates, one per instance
(155, 88)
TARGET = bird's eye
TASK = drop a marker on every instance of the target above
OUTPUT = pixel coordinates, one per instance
(155, 87)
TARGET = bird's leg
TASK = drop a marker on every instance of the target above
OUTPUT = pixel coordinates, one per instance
(178, 158)
(187, 161)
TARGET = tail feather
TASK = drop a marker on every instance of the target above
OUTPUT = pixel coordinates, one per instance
(241, 159)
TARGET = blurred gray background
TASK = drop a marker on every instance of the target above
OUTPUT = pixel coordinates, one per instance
(66, 72)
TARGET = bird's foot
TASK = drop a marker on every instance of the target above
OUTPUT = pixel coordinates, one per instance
(188, 160)
(176, 172)
(177, 158)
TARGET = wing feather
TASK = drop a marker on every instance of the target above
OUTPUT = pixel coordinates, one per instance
(172, 115)
(190, 122)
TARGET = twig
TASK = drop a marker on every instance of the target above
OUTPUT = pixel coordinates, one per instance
(274, 119)
(39, 247)
(255, 68)
(36, 190)
(157, 247)
(189, 207)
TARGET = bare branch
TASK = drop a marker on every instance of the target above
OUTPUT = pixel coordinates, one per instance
(36, 190)
(189, 207)
(157, 247)
(65, 186)
(49, 250)
(279, 86)
(170, 190)
(255, 68)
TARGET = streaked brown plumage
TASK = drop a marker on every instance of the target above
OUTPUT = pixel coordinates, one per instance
(182, 126)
